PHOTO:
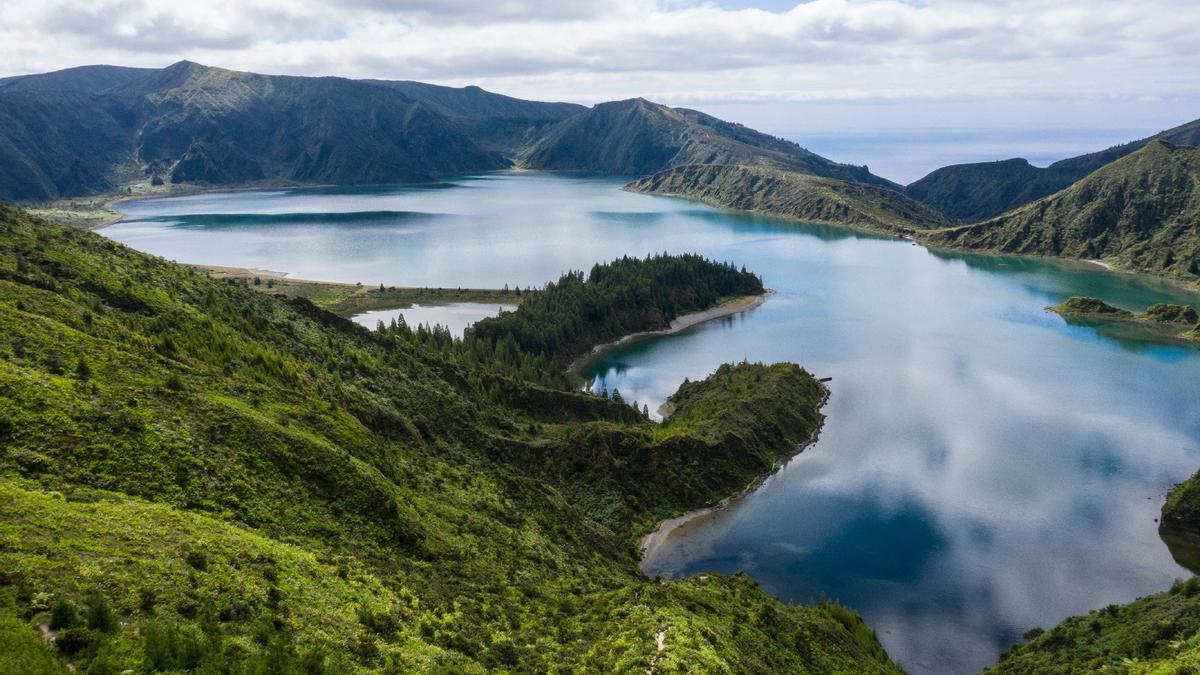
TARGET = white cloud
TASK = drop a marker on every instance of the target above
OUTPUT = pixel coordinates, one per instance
(684, 52)
(825, 49)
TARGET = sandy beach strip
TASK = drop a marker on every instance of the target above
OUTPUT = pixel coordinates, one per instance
(681, 323)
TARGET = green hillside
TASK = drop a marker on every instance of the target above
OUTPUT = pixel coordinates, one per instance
(88, 131)
(103, 129)
(973, 192)
(194, 474)
(1156, 634)
(794, 195)
(637, 137)
(1141, 212)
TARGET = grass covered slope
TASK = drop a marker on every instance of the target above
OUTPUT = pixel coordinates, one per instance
(636, 137)
(193, 474)
(1141, 212)
(1156, 634)
(1181, 512)
(973, 192)
(789, 194)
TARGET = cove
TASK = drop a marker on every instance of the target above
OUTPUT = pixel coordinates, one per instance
(984, 467)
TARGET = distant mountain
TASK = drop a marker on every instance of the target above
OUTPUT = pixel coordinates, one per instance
(497, 122)
(637, 137)
(972, 192)
(92, 129)
(1141, 212)
(794, 195)
(56, 144)
(85, 79)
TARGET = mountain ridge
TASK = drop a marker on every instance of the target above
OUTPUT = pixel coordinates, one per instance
(794, 195)
(636, 137)
(978, 191)
(1141, 211)
(196, 124)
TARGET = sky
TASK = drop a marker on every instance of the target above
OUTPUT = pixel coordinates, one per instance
(859, 79)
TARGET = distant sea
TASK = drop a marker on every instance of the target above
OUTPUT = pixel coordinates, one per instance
(905, 156)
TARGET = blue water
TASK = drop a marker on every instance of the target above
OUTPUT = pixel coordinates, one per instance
(984, 468)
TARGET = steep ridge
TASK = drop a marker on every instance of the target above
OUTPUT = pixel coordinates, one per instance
(794, 195)
(84, 79)
(497, 122)
(1141, 212)
(196, 475)
(189, 123)
(972, 192)
(56, 144)
(308, 130)
(636, 137)
(194, 124)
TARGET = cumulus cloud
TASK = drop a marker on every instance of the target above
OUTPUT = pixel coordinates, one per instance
(823, 50)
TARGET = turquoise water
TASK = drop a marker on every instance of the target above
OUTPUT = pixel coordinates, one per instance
(985, 467)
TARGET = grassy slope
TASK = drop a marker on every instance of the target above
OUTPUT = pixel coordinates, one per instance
(974, 192)
(242, 479)
(1156, 634)
(1140, 213)
(794, 195)
(636, 137)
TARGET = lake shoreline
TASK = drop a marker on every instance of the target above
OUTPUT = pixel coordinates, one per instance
(655, 539)
(351, 299)
(914, 237)
(681, 323)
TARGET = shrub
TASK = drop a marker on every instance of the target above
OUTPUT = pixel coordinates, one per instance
(74, 640)
(174, 382)
(63, 615)
(100, 615)
(198, 560)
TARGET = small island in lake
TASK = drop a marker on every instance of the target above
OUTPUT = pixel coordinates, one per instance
(1175, 321)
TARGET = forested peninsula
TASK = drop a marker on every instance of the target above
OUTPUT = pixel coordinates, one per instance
(198, 475)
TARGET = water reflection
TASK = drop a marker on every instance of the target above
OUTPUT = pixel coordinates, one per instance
(985, 467)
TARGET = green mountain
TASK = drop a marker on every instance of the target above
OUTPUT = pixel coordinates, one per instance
(55, 144)
(197, 475)
(637, 137)
(95, 129)
(74, 133)
(973, 192)
(82, 79)
(794, 195)
(497, 122)
(1141, 212)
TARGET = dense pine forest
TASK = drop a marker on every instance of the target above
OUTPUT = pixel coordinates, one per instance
(630, 295)
(199, 476)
